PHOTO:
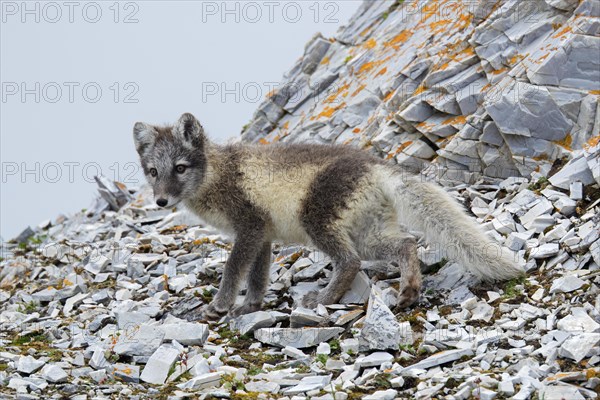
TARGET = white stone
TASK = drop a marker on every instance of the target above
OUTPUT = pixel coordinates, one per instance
(347, 345)
(575, 170)
(211, 379)
(566, 284)
(578, 321)
(482, 393)
(186, 333)
(576, 190)
(577, 347)
(158, 366)
(293, 352)
(262, 386)
(545, 251)
(506, 388)
(309, 383)
(388, 394)
(142, 342)
(324, 348)
(29, 364)
(442, 357)
(374, 359)
(381, 330)
(359, 291)
(53, 373)
(560, 392)
(295, 337)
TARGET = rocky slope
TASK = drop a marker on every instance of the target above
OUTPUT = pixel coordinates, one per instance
(95, 305)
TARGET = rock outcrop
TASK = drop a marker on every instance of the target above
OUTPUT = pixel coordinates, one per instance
(494, 88)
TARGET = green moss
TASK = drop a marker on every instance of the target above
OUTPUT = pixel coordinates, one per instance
(334, 344)
(254, 370)
(347, 59)
(539, 185)
(322, 358)
(27, 308)
(383, 381)
(32, 338)
(510, 287)
(55, 355)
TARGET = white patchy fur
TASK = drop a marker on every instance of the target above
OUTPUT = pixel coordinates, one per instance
(280, 194)
(428, 208)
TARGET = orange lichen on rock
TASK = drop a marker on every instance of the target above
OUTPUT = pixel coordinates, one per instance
(399, 149)
(592, 142)
(459, 119)
(370, 44)
(366, 31)
(566, 142)
(358, 90)
(463, 21)
(400, 38)
(325, 61)
(595, 92)
(563, 32)
(499, 71)
(389, 96)
(420, 89)
(381, 71)
(356, 130)
(439, 26)
(329, 111)
(344, 88)
(263, 141)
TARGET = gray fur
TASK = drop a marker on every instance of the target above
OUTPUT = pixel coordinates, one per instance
(339, 199)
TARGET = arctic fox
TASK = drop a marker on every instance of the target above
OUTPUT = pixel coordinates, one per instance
(339, 199)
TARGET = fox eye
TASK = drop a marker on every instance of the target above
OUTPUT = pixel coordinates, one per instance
(180, 169)
(153, 172)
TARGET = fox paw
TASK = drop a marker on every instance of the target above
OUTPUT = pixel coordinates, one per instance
(213, 312)
(243, 310)
(311, 299)
(408, 296)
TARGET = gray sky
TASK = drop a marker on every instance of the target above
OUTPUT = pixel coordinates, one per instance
(76, 77)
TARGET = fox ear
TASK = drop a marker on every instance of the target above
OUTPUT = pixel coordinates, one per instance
(189, 129)
(143, 136)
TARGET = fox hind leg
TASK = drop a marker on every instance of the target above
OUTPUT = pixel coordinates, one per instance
(392, 245)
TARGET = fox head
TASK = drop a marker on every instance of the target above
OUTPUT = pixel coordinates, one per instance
(173, 158)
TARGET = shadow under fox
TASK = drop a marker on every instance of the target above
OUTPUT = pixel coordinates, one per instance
(339, 199)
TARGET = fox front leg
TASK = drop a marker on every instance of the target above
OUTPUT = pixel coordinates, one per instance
(245, 250)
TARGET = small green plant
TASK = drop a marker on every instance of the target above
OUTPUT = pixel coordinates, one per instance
(347, 59)
(383, 381)
(27, 308)
(55, 355)
(408, 348)
(254, 370)
(539, 185)
(30, 338)
(510, 288)
(303, 369)
(207, 295)
(334, 344)
(322, 358)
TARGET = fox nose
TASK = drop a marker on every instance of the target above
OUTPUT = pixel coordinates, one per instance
(162, 202)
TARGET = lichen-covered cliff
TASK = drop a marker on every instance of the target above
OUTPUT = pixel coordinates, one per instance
(499, 88)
